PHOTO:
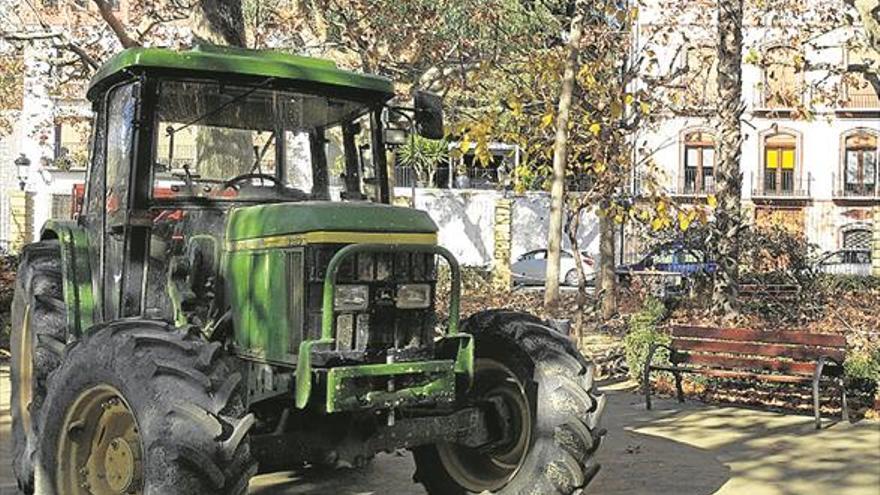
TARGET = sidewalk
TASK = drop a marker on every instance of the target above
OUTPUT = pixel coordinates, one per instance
(675, 449)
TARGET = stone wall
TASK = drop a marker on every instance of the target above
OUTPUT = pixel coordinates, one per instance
(21, 222)
(875, 246)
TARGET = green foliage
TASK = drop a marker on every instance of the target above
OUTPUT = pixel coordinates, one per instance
(863, 367)
(848, 283)
(642, 334)
(423, 155)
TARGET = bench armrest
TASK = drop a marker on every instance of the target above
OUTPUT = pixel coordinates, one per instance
(652, 349)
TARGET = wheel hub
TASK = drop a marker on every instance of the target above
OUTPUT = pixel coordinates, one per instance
(100, 450)
(492, 467)
(119, 465)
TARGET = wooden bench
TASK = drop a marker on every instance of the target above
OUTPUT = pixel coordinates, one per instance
(757, 355)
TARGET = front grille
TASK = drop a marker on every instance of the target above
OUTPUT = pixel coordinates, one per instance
(382, 326)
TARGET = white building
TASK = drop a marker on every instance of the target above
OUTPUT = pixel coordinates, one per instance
(815, 173)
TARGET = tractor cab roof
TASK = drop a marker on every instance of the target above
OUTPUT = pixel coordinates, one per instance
(286, 70)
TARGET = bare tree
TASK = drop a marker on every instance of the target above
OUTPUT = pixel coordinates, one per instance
(560, 159)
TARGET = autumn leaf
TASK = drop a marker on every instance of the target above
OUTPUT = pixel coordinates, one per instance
(657, 223)
(712, 201)
(596, 128)
(645, 107)
(628, 99)
(546, 120)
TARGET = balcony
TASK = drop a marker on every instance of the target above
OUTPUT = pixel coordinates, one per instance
(783, 186)
(691, 184)
(853, 191)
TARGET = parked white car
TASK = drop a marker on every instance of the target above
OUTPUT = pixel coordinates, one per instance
(531, 268)
(846, 262)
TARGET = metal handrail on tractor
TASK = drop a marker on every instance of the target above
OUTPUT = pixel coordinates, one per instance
(327, 317)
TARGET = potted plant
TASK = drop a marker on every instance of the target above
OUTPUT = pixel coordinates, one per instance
(423, 155)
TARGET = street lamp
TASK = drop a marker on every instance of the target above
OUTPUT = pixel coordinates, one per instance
(22, 166)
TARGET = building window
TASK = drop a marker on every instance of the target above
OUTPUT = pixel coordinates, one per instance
(857, 238)
(61, 206)
(700, 86)
(71, 143)
(779, 163)
(860, 164)
(859, 92)
(782, 77)
(11, 82)
(699, 163)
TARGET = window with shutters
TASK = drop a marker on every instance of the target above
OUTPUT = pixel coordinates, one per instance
(700, 86)
(780, 164)
(783, 78)
(860, 164)
(699, 163)
(859, 93)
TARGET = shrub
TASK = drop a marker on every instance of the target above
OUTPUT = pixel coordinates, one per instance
(642, 333)
(862, 368)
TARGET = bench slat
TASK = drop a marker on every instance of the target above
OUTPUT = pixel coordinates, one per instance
(743, 374)
(752, 335)
(748, 364)
(756, 349)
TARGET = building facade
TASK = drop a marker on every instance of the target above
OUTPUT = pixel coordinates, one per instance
(811, 133)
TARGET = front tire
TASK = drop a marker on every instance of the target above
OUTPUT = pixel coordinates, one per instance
(39, 333)
(141, 407)
(547, 386)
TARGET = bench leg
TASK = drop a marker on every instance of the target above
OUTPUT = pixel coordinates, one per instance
(817, 375)
(647, 385)
(679, 391)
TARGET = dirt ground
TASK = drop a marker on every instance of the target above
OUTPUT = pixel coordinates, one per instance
(690, 449)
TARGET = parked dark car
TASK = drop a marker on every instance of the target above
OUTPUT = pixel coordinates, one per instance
(673, 258)
(846, 262)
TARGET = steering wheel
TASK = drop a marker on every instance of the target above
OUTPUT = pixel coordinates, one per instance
(243, 177)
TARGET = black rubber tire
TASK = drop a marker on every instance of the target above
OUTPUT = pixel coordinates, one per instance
(38, 286)
(186, 396)
(571, 278)
(566, 430)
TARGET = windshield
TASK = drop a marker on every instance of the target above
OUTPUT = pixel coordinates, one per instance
(247, 143)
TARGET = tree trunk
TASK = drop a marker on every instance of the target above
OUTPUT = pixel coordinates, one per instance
(573, 226)
(560, 158)
(606, 277)
(218, 22)
(728, 176)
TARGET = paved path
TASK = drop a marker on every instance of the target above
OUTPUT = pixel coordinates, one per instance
(690, 449)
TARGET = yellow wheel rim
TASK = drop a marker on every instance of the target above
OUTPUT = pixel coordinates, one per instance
(476, 470)
(99, 447)
(26, 372)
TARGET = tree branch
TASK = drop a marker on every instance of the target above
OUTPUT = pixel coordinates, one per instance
(115, 24)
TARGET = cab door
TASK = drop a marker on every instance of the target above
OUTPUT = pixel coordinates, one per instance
(121, 117)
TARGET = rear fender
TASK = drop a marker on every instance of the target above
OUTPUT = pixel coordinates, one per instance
(76, 273)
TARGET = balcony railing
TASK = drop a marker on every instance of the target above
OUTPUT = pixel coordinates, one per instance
(692, 184)
(862, 101)
(844, 189)
(781, 186)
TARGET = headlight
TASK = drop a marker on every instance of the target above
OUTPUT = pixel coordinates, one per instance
(413, 296)
(351, 298)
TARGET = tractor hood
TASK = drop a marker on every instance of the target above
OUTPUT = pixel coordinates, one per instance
(286, 219)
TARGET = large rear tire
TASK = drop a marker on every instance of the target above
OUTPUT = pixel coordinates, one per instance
(39, 333)
(553, 411)
(141, 407)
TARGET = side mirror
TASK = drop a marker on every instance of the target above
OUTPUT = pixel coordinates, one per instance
(429, 115)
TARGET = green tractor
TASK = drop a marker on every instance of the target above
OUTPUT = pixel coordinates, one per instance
(238, 296)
